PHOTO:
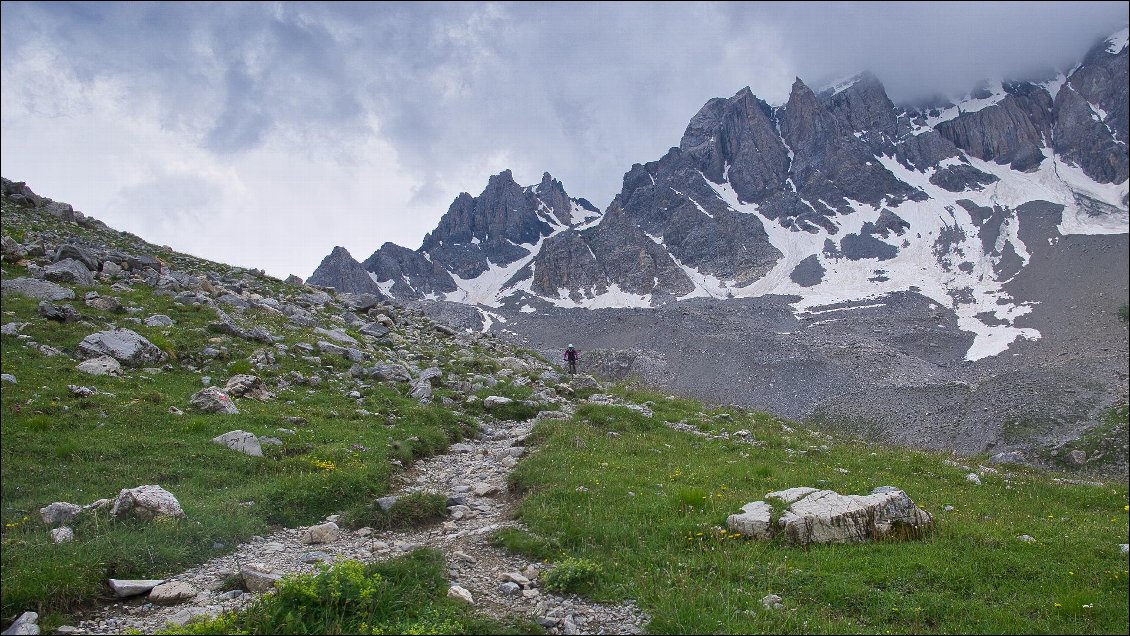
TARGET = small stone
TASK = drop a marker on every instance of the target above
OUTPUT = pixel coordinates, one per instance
(460, 593)
(771, 601)
(509, 589)
(322, 533)
(1125, 547)
(102, 365)
(258, 578)
(213, 400)
(1026, 538)
(1077, 458)
(315, 557)
(146, 503)
(8, 377)
(62, 535)
(485, 490)
(514, 577)
(973, 479)
(190, 614)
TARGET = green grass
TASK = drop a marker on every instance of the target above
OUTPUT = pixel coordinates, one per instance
(409, 511)
(406, 595)
(647, 507)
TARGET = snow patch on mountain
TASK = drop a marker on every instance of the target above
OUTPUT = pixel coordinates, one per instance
(1117, 42)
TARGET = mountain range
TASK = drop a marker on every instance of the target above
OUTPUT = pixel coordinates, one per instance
(836, 202)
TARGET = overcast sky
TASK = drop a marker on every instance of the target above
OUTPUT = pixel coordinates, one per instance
(265, 134)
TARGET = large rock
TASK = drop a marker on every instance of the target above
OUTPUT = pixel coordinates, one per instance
(389, 373)
(753, 522)
(35, 288)
(125, 588)
(242, 441)
(25, 624)
(213, 400)
(824, 516)
(172, 592)
(69, 270)
(146, 502)
(124, 345)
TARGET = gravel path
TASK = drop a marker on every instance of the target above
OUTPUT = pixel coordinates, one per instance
(475, 470)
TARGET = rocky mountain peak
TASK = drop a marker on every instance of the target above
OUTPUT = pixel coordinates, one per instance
(342, 272)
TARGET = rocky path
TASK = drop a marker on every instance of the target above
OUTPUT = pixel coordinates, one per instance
(501, 584)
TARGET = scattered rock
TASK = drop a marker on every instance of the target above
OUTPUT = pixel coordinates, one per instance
(59, 513)
(172, 592)
(58, 313)
(460, 593)
(27, 623)
(771, 601)
(973, 479)
(62, 535)
(494, 401)
(159, 320)
(251, 386)
(125, 588)
(322, 533)
(124, 345)
(241, 441)
(146, 502)
(213, 400)
(102, 365)
(69, 270)
(35, 288)
(1077, 458)
(259, 578)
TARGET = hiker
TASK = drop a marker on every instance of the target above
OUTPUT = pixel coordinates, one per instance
(571, 358)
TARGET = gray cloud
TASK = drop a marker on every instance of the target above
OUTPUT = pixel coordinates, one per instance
(460, 90)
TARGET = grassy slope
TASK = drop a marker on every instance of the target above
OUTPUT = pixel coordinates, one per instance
(656, 498)
(57, 447)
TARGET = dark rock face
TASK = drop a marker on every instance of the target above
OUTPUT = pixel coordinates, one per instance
(808, 272)
(340, 271)
(738, 132)
(1083, 139)
(1101, 81)
(830, 164)
(413, 275)
(1003, 133)
(961, 177)
(491, 228)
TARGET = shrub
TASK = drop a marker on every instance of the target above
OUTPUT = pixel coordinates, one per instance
(572, 575)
